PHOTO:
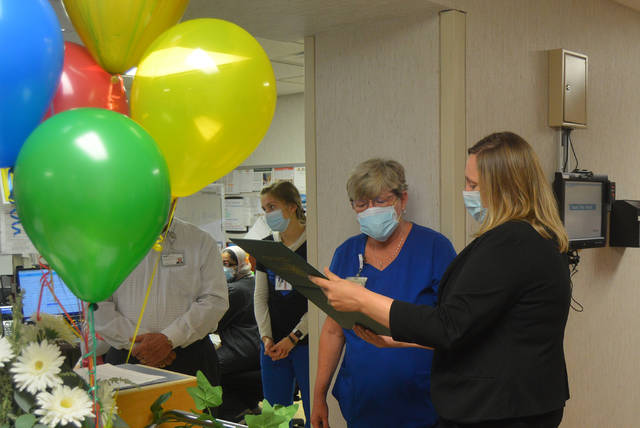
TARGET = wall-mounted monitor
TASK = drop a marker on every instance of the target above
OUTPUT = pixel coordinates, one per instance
(582, 200)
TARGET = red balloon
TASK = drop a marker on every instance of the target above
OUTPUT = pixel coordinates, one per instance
(84, 83)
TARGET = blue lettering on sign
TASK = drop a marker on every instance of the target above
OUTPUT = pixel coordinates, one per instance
(582, 207)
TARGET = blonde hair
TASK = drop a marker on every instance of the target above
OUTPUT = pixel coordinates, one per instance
(513, 187)
(286, 192)
(373, 176)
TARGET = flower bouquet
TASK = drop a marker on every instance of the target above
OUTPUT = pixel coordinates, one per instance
(38, 385)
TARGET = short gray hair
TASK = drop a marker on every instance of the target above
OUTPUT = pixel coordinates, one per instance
(372, 177)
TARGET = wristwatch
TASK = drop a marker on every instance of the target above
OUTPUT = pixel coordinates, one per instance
(297, 334)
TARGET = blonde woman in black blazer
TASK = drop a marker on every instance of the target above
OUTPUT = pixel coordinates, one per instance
(498, 328)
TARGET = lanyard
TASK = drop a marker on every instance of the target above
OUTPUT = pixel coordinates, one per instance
(360, 264)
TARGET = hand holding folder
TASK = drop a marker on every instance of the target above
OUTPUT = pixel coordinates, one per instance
(296, 271)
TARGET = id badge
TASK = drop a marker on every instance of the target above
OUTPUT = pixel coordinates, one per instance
(282, 285)
(173, 259)
(362, 280)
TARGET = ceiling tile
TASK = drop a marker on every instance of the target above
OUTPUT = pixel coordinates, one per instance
(287, 88)
(283, 71)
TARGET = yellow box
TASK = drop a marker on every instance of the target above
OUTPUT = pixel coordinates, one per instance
(134, 405)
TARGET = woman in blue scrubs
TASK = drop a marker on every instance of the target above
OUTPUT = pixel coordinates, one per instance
(376, 386)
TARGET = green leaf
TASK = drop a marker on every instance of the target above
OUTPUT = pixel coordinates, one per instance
(26, 421)
(161, 400)
(156, 407)
(24, 400)
(287, 412)
(204, 417)
(272, 417)
(204, 395)
(264, 421)
(203, 382)
(42, 426)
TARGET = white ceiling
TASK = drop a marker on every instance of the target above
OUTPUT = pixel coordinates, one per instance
(281, 25)
(294, 19)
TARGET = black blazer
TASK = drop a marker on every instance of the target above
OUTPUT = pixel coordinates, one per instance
(498, 328)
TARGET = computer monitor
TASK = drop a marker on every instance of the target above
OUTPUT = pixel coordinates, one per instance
(7, 312)
(582, 200)
(28, 281)
(7, 320)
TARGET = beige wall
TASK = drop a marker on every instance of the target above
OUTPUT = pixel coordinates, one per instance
(376, 95)
(506, 90)
(376, 89)
(284, 141)
(359, 100)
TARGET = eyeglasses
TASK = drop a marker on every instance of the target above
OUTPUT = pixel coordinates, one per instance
(381, 201)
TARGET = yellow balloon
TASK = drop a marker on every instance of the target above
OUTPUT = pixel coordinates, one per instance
(117, 32)
(206, 93)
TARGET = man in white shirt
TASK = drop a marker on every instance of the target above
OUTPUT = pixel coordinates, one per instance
(187, 299)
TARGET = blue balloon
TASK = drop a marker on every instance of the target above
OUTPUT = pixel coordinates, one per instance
(31, 57)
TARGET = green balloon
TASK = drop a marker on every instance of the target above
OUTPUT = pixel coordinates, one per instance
(92, 192)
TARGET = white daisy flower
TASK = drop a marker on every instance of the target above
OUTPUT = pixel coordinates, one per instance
(6, 353)
(37, 367)
(64, 406)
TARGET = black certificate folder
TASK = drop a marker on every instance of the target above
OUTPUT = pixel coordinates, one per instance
(295, 270)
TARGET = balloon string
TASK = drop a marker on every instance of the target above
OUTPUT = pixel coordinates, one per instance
(158, 248)
(114, 96)
(43, 281)
(47, 281)
(93, 385)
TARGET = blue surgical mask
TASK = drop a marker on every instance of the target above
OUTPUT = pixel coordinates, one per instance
(229, 272)
(473, 202)
(378, 222)
(276, 221)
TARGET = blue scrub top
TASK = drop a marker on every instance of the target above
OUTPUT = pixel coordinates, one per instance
(389, 387)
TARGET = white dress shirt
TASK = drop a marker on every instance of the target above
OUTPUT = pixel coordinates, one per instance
(186, 301)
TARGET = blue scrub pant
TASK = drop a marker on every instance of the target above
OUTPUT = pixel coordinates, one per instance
(279, 378)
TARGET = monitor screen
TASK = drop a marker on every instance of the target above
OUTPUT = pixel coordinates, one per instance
(582, 201)
(583, 210)
(29, 283)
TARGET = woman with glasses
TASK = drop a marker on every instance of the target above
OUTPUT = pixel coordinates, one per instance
(281, 312)
(396, 258)
(498, 328)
